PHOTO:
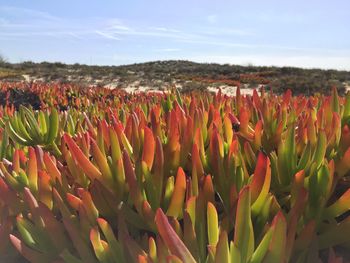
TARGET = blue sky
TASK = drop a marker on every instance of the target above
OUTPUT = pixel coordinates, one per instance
(295, 33)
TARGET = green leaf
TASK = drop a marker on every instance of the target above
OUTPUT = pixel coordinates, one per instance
(335, 235)
(222, 254)
(213, 224)
(320, 149)
(68, 257)
(244, 235)
(277, 247)
(235, 254)
(261, 250)
(53, 126)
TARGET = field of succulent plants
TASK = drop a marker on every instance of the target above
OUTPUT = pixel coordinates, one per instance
(98, 175)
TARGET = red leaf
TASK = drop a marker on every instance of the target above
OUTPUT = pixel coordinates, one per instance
(84, 162)
(259, 176)
(171, 239)
(148, 147)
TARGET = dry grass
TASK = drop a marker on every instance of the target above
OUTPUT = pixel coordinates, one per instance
(9, 73)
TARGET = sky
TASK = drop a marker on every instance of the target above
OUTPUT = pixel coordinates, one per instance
(303, 33)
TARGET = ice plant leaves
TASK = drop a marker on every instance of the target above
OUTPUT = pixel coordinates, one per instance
(135, 191)
(84, 162)
(261, 178)
(262, 248)
(339, 207)
(277, 247)
(148, 148)
(213, 225)
(244, 236)
(32, 171)
(262, 173)
(171, 239)
(222, 253)
(178, 196)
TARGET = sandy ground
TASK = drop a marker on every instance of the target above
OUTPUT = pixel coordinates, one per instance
(230, 90)
(26, 77)
(227, 90)
(139, 89)
(135, 88)
(347, 87)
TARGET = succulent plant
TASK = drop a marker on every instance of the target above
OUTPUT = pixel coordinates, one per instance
(175, 177)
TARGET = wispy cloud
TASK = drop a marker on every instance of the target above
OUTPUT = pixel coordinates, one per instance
(120, 27)
(168, 50)
(225, 31)
(165, 29)
(106, 35)
(16, 12)
(150, 32)
(19, 23)
(22, 22)
(146, 38)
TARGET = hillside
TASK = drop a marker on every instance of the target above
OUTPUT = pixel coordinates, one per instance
(185, 74)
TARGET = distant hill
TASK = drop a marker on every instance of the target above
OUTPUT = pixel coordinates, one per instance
(190, 75)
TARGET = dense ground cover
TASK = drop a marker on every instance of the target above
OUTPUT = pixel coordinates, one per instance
(98, 175)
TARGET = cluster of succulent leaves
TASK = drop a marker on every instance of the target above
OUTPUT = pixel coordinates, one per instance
(175, 178)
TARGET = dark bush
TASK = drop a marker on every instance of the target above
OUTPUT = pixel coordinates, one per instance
(19, 97)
